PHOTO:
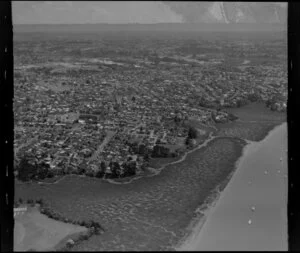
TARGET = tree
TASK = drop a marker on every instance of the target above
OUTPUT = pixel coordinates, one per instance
(253, 97)
(43, 171)
(103, 166)
(160, 151)
(129, 168)
(39, 201)
(142, 149)
(146, 157)
(190, 142)
(97, 228)
(116, 169)
(50, 174)
(174, 154)
(192, 133)
(29, 201)
(187, 141)
(90, 173)
(134, 147)
(232, 117)
(101, 172)
(81, 169)
(26, 170)
(158, 141)
(90, 223)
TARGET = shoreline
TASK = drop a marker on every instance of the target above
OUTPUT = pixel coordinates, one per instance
(156, 171)
(204, 209)
(199, 221)
(208, 198)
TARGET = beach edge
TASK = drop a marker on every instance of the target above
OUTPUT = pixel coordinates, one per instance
(202, 212)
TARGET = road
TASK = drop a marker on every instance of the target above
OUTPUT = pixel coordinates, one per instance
(100, 148)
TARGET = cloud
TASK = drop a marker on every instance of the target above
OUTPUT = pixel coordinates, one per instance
(68, 12)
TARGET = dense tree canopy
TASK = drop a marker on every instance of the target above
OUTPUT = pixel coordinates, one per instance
(160, 151)
(115, 169)
(26, 170)
(192, 133)
(129, 169)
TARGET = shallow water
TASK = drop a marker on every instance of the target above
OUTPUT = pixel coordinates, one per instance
(251, 213)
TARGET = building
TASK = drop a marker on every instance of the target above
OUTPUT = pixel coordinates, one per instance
(19, 210)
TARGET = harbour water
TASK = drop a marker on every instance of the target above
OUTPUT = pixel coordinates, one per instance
(251, 213)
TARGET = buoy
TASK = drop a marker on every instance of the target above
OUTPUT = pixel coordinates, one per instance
(249, 222)
(278, 171)
(266, 172)
(280, 158)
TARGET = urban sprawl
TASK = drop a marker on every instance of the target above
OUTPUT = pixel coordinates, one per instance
(108, 114)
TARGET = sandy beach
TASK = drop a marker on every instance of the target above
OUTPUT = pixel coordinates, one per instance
(251, 213)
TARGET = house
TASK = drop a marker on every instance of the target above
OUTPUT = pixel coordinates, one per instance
(19, 211)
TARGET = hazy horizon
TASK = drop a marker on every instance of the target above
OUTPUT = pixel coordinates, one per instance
(147, 12)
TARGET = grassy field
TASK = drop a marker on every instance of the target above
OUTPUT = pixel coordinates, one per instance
(36, 231)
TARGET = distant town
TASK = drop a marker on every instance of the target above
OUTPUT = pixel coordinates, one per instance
(108, 108)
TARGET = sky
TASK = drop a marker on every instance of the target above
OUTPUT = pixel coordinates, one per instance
(70, 12)
(113, 12)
